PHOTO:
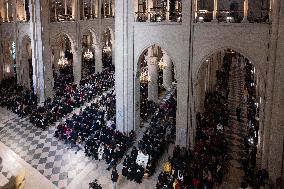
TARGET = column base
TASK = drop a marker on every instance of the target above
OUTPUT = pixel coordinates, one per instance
(245, 21)
(214, 21)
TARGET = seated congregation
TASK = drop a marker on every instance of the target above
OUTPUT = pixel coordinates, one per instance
(65, 101)
(142, 161)
(16, 98)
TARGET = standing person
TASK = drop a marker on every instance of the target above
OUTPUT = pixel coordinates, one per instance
(114, 177)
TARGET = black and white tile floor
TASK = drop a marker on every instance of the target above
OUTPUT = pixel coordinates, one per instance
(43, 151)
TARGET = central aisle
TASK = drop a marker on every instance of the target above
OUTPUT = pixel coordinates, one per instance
(236, 131)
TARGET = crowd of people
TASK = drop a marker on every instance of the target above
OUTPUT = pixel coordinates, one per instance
(142, 161)
(252, 178)
(94, 130)
(16, 98)
(88, 68)
(206, 164)
(63, 77)
(72, 97)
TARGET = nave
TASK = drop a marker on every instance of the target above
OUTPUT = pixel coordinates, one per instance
(67, 162)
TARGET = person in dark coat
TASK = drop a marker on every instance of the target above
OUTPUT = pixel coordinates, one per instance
(114, 177)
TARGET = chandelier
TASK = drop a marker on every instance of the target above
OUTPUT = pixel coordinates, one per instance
(162, 64)
(88, 55)
(107, 48)
(144, 76)
(62, 61)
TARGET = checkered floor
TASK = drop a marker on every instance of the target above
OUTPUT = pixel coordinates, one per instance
(41, 150)
(5, 175)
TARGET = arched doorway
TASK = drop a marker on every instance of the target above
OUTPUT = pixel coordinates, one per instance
(228, 103)
(62, 62)
(155, 78)
(26, 67)
(88, 58)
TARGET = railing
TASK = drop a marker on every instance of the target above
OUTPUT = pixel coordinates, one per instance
(107, 16)
(159, 16)
(229, 16)
(64, 18)
(89, 17)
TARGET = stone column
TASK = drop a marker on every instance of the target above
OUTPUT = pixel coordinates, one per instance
(153, 73)
(273, 143)
(167, 72)
(127, 102)
(195, 10)
(91, 5)
(75, 9)
(149, 5)
(83, 9)
(24, 71)
(246, 8)
(14, 10)
(112, 52)
(113, 8)
(7, 12)
(98, 58)
(42, 77)
(215, 11)
(77, 65)
(270, 10)
(65, 7)
(97, 8)
(56, 57)
(25, 13)
(168, 11)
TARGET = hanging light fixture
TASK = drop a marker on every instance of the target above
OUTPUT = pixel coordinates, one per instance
(88, 55)
(144, 76)
(62, 62)
(162, 64)
(107, 48)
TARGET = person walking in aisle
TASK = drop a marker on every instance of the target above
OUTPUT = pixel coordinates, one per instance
(114, 178)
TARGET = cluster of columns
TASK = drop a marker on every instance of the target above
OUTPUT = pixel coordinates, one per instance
(153, 72)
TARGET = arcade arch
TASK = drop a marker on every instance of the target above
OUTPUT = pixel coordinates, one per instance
(63, 61)
(88, 58)
(245, 90)
(155, 77)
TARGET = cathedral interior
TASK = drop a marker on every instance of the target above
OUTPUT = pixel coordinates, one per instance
(146, 94)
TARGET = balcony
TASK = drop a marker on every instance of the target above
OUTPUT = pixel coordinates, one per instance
(158, 16)
(229, 16)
